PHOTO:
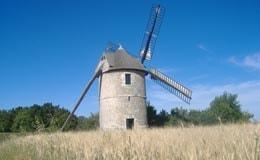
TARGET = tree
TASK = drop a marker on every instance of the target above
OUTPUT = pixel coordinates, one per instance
(5, 121)
(154, 119)
(178, 117)
(162, 118)
(195, 117)
(226, 108)
(46, 117)
(88, 123)
(151, 115)
(56, 116)
(180, 113)
(23, 121)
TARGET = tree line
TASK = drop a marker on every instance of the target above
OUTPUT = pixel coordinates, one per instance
(223, 109)
(48, 117)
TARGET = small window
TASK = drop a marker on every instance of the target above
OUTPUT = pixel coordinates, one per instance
(129, 123)
(127, 78)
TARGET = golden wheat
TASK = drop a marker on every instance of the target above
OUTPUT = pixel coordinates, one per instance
(229, 142)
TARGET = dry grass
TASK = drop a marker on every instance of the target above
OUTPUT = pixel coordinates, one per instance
(216, 142)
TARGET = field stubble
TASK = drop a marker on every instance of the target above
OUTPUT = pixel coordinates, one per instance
(229, 142)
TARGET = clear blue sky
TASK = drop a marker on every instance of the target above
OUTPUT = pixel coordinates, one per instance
(49, 49)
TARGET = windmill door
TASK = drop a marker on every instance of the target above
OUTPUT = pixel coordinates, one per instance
(129, 123)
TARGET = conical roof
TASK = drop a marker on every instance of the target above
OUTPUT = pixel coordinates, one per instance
(119, 60)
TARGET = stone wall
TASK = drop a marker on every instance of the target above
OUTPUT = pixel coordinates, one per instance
(119, 101)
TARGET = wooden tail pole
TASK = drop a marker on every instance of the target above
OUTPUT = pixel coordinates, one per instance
(80, 99)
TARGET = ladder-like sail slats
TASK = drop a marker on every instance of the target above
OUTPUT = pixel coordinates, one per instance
(151, 33)
(169, 84)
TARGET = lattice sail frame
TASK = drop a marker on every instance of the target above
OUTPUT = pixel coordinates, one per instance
(171, 85)
(151, 32)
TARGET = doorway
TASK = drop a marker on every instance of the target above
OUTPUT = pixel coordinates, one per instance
(129, 123)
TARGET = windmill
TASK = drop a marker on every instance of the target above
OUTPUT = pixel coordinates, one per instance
(122, 92)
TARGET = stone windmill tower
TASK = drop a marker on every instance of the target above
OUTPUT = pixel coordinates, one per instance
(122, 90)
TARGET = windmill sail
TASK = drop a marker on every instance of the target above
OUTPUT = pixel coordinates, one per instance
(152, 31)
(171, 85)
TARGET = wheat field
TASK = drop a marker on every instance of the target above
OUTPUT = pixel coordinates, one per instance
(229, 142)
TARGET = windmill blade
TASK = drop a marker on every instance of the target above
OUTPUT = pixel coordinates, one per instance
(152, 31)
(97, 73)
(174, 87)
